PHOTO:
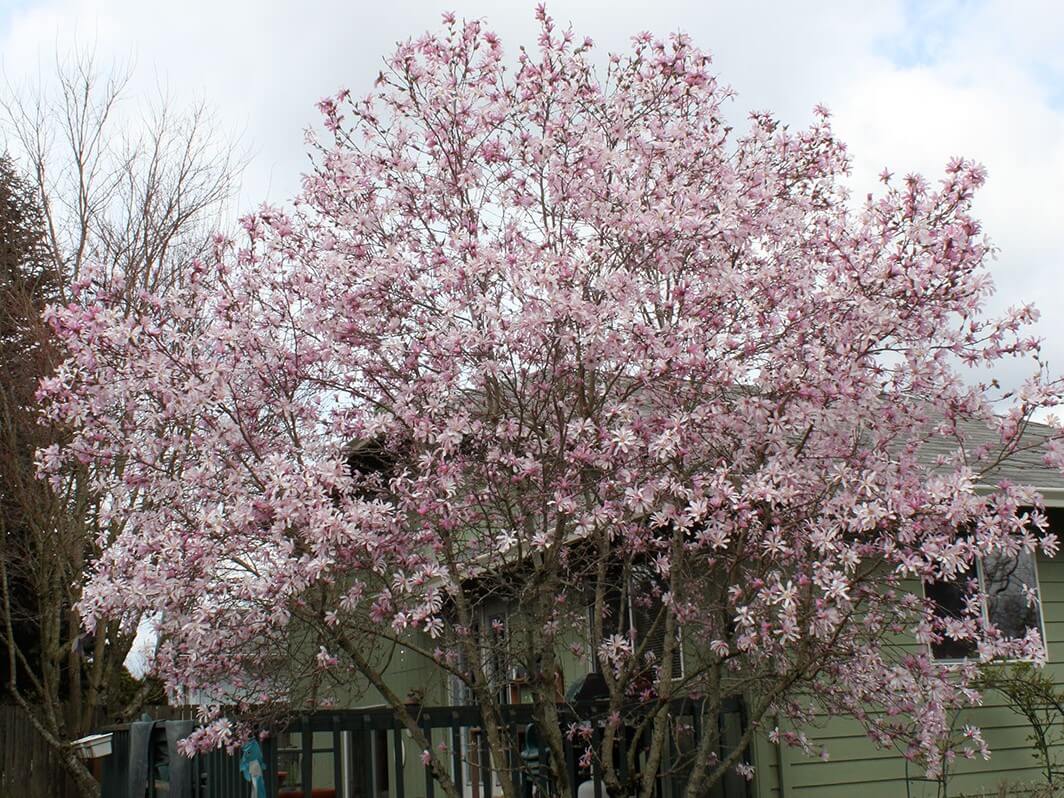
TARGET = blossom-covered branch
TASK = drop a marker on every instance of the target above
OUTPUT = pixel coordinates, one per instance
(555, 340)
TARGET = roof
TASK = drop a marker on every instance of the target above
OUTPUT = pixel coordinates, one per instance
(1025, 466)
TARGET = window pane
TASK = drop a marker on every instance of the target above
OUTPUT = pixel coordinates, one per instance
(950, 600)
(649, 620)
(636, 615)
(1005, 579)
(614, 620)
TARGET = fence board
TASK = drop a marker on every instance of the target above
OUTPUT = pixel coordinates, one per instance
(29, 767)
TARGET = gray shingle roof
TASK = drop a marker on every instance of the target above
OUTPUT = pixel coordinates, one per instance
(1024, 466)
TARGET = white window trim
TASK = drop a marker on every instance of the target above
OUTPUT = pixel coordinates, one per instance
(985, 611)
(592, 655)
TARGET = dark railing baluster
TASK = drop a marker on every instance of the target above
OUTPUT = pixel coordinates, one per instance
(430, 781)
(596, 765)
(456, 753)
(272, 779)
(485, 763)
(212, 776)
(366, 738)
(195, 766)
(571, 764)
(338, 761)
(397, 752)
(306, 739)
(666, 768)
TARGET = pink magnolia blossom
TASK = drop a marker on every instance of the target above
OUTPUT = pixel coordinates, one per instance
(579, 321)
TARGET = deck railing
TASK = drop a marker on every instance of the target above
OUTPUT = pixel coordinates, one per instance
(366, 753)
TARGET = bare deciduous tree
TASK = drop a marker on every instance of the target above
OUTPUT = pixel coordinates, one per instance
(128, 198)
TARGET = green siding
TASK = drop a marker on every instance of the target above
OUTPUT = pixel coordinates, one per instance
(857, 766)
(407, 672)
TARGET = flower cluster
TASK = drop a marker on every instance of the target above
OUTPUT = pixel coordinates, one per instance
(572, 321)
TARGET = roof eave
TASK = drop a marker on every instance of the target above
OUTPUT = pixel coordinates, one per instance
(1053, 497)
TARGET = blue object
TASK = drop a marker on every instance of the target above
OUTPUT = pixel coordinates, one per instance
(253, 768)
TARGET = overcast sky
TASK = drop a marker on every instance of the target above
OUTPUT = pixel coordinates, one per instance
(910, 83)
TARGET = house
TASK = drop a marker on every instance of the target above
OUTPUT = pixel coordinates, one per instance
(359, 751)
(855, 764)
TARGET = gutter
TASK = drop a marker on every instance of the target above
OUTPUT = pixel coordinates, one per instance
(1052, 497)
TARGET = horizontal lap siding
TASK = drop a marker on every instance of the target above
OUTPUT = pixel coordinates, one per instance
(856, 767)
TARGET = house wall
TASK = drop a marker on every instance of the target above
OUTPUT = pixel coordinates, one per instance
(407, 672)
(857, 767)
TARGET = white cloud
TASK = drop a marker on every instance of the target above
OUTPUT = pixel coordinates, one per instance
(986, 90)
(911, 83)
(265, 65)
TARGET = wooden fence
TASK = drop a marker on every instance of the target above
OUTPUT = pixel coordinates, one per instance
(29, 768)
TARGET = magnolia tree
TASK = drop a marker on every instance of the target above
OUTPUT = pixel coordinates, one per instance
(560, 339)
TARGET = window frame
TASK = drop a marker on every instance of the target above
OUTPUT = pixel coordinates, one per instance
(594, 666)
(984, 609)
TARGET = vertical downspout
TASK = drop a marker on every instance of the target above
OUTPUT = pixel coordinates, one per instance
(781, 765)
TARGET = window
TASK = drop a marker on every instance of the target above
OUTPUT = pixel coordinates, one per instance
(640, 620)
(1009, 585)
(648, 623)
(1007, 582)
(491, 631)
